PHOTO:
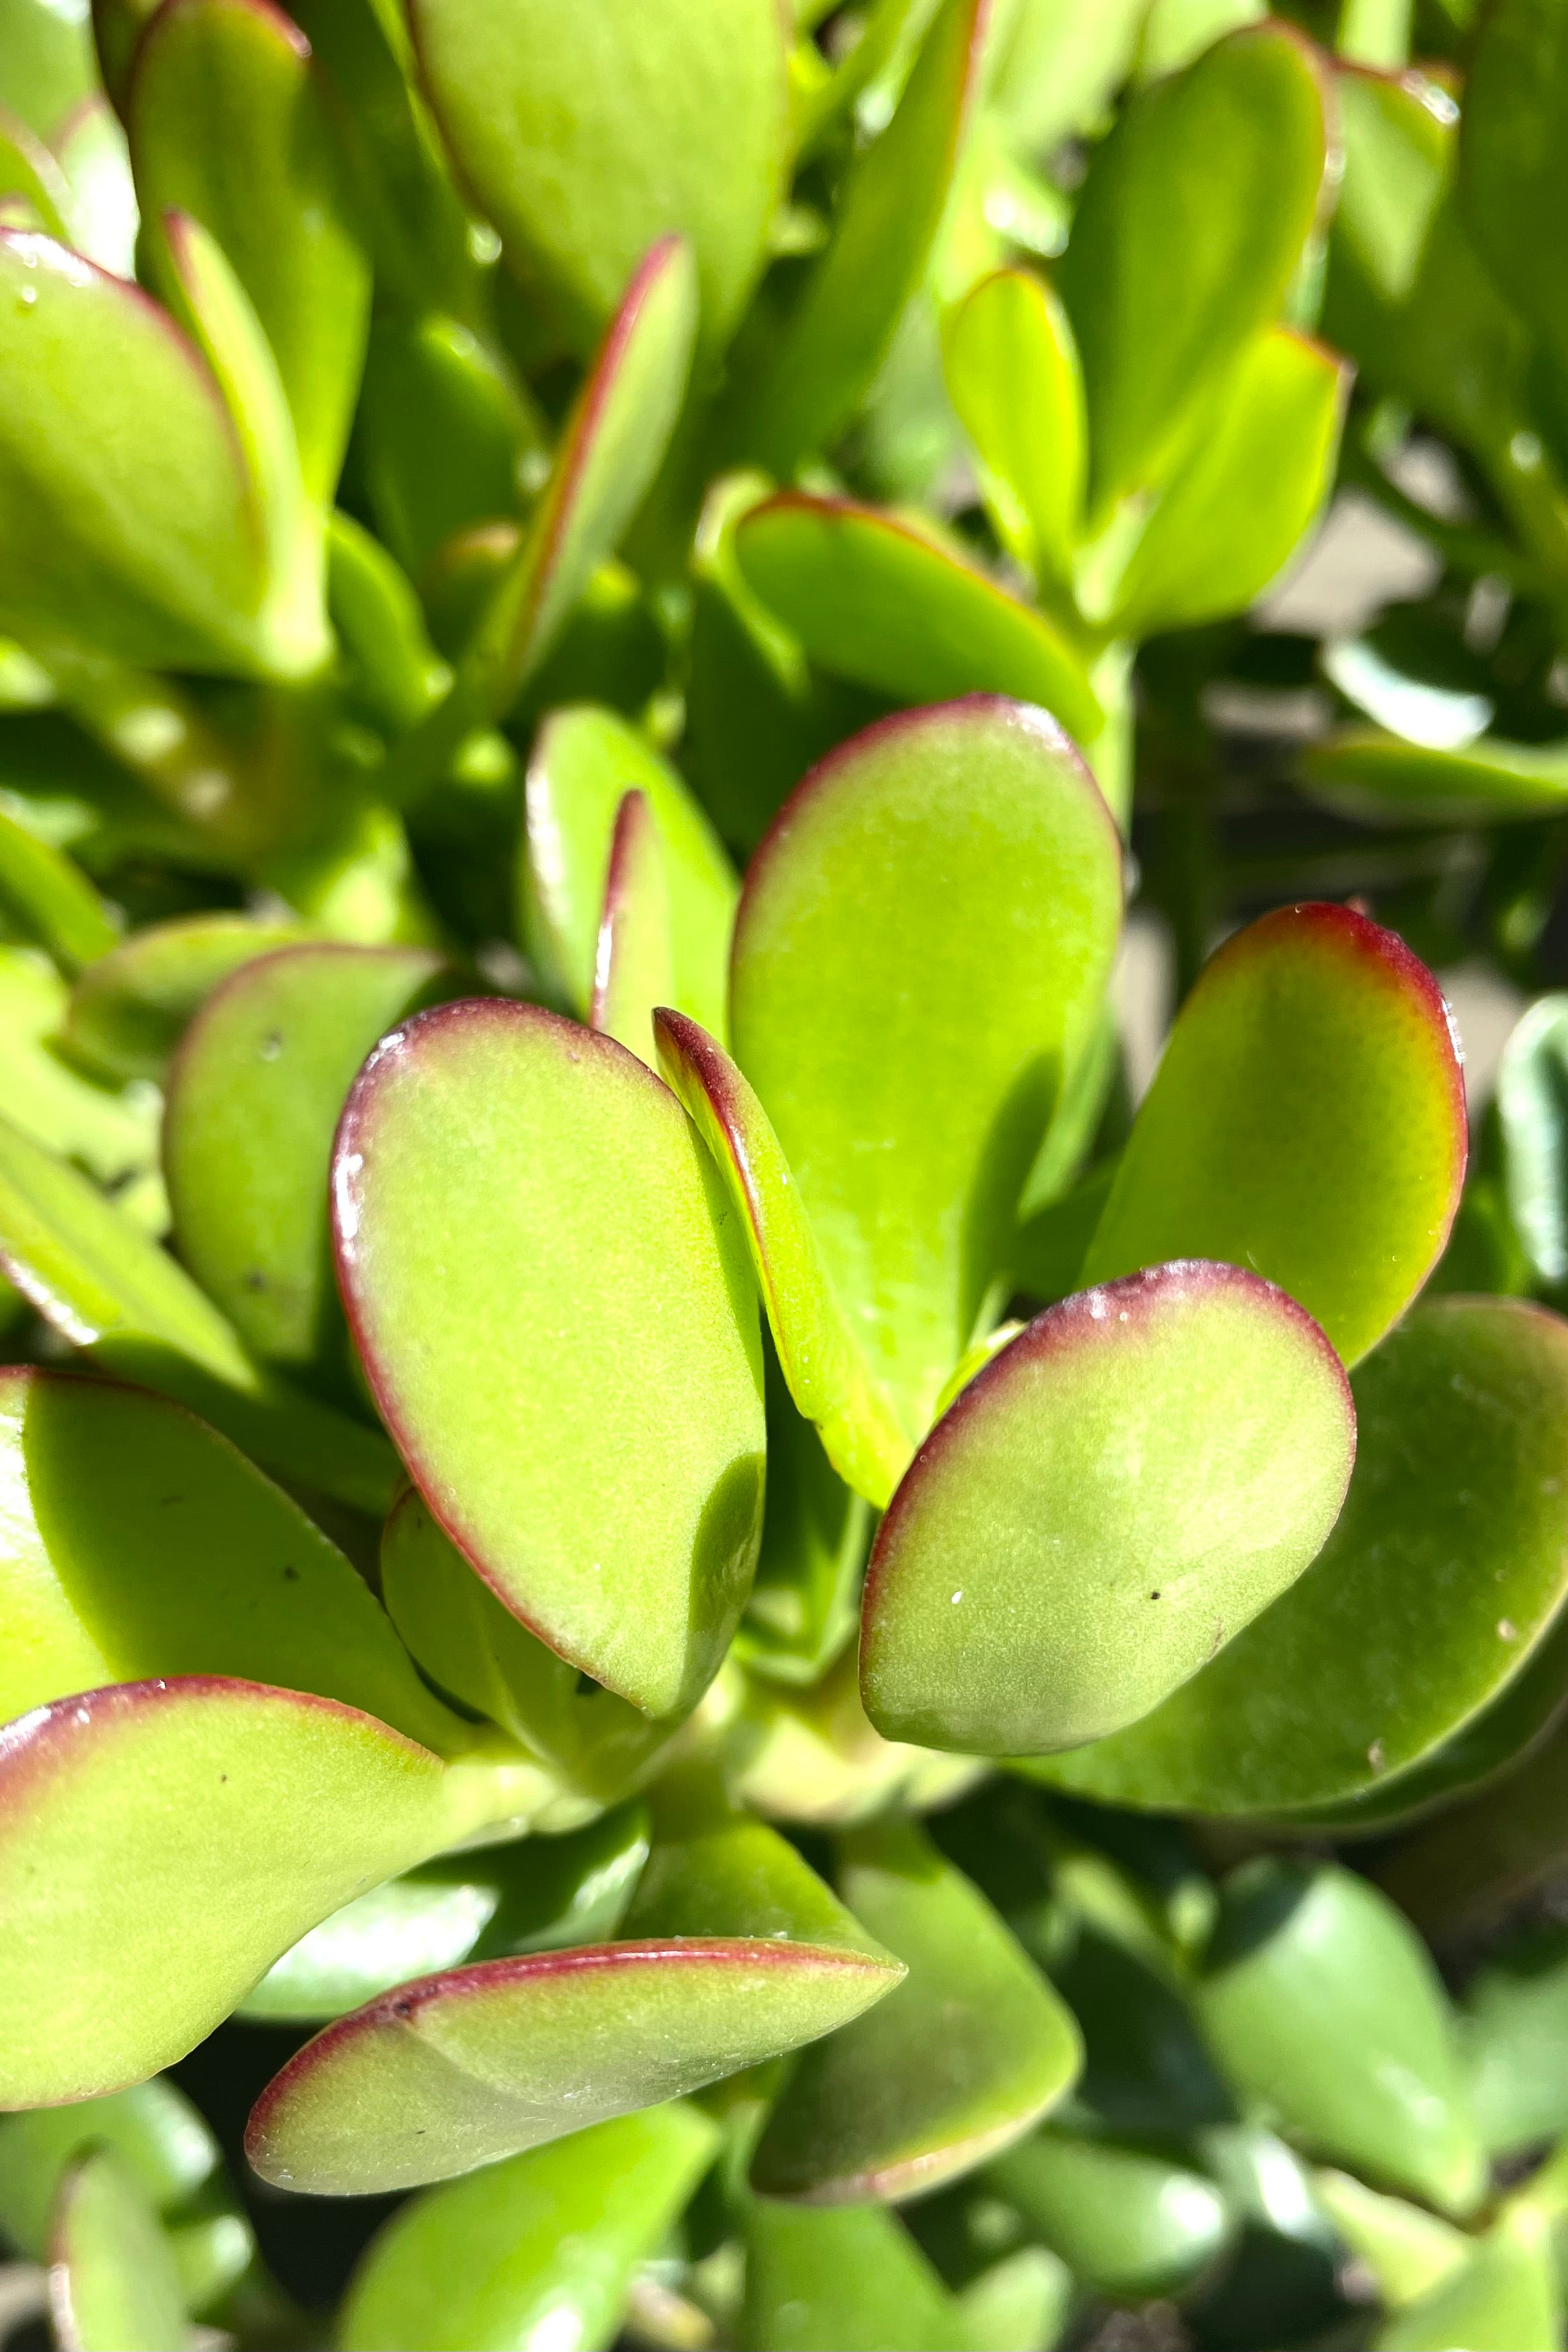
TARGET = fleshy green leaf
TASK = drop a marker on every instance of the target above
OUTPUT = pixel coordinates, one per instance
(1510, 157)
(253, 1102)
(93, 1274)
(841, 2282)
(1013, 375)
(543, 2245)
(158, 2134)
(227, 124)
(997, 2048)
(1505, 2298)
(1308, 1120)
(809, 1754)
(907, 1015)
(880, 602)
(632, 971)
(1236, 511)
(128, 1009)
(584, 761)
(588, 133)
(562, 1296)
(539, 1893)
(1308, 1963)
(33, 189)
(1127, 2223)
(1120, 1490)
(1446, 1571)
(1380, 779)
(114, 2286)
(444, 434)
(111, 1135)
(461, 2068)
(381, 626)
(1515, 2042)
(805, 1601)
(53, 896)
(1406, 2249)
(126, 520)
(1190, 223)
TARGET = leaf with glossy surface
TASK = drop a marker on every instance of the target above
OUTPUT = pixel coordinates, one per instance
(124, 508)
(1127, 2223)
(1190, 223)
(1514, 2037)
(1443, 1578)
(856, 2120)
(1119, 1491)
(541, 2247)
(227, 124)
(586, 135)
(128, 1009)
(1236, 510)
(852, 2281)
(459, 2070)
(584, 761)
(253, 1103)
(563, 1296)
(1307, 1120)
(1308, 1961)
(1382, 779)
(877, 601)
(113, 2285)
(1013, 374)
(894, 1007)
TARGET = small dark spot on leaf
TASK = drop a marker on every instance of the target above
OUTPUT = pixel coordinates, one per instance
(272, 1045)
(291, 1576)
(255, 1280)
(222, 1777)
(403, 2009)
(1153, 1596)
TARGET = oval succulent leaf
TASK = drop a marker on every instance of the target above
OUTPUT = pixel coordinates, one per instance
(164, 1842)
(586, 135)
(1380, 779)
(1447, 1569)
(113, 2283)
(1308, 1120)
(546, 2241)
(856, 2120)
(920, 954)
(1013, 374)
(560, 1331)
(1114, 1496)
(253, 1102)
(845, 2281)
(1128, 2221)
(54, 898)
(163, 2140)
(462, 2069)
(130, 1008)
(882, 604)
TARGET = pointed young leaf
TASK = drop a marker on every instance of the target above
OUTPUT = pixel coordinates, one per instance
(632, 968)
(822, 1359)
(587, 133)
(228, 123)
(253, 1102)
(1236, 510)
(1013, 375)
(1119, 1491)
(130, 1008)
(1309, 1962)
(1127, 2221)
(124, 506)
(535, 2249)
(540, 1316)
(856, 2120)
(1380, 779)
(905, 1023)
(53, 896)
(1190, 223)
(1445, 1573)
(1308, 1120)
(877, 600)
(113, 2285)
(851, 2281)
(1406, 2249)
(459, 2070)
(584, 761)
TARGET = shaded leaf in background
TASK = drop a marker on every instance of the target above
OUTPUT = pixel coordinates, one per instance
(113, 2285)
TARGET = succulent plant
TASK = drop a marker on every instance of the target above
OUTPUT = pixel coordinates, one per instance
(676, 1569)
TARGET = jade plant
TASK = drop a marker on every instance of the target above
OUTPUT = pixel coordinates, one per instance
(686, 1585)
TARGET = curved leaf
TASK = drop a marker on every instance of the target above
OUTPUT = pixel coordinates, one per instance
(113, 2285)
(53, 896)
(113, 1135)
(852, 2281)
(1127, 2221)
(545, 2244)
(461, 2068)
(253, 1102)
(1308, 1120)
(160, 2136)
(1510, 157)
(631, 969)
(130, 1008)
(1380, 779)
(1013, 375)
(877, 601)
(907, 1018)
(563, 1297)
(1118, 1492)
(1505, 2298)
(1446, 1571)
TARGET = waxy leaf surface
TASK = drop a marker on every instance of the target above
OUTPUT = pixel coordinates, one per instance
(1445, 1572)
(1013, 375)
(1119, 1491)
(1505, 2298)
(876, 600)
(53, 896)
(583, 762)
(1308, 1121)
(159, 2136)
(856, 2120)
(850, 2281)
(130, 1008)
(113, 2285)
(252, 1107)
(1127, 2221)
(1307, 1963)
(555, 1313)
(534, 2248)
(459, 2070)
(1190, 223)
(587, 133)
(111, 1135)
(632, 970)
(919, 959)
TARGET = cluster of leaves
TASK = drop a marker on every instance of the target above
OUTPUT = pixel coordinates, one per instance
(624, 1463)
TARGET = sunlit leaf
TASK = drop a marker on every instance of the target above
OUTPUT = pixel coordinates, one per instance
(840, 2282)
(1127, 2223)
(53, 896)
(128, 1009)
(1013, 374)
(1382, 779)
